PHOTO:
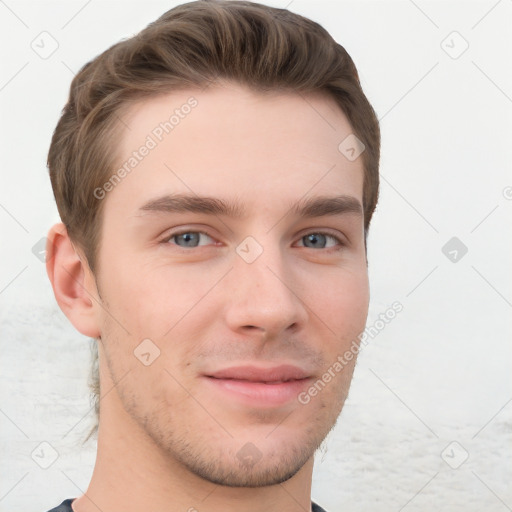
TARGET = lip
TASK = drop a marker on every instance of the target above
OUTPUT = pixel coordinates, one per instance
(260, 387)
(284, 372)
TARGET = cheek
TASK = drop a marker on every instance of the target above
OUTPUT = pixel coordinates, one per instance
(342, 303)
(345, 283)
(150, 300)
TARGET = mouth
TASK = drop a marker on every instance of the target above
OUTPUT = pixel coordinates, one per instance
(260, 387)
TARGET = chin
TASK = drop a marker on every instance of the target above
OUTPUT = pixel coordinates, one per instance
(251, 473)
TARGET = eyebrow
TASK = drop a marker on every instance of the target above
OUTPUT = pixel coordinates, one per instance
(311, 207)
(327, 205)
(179, 203)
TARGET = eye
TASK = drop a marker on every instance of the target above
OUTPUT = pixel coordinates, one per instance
(320, 241)
(189, 239)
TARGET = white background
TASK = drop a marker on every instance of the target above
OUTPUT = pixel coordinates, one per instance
(438, 373)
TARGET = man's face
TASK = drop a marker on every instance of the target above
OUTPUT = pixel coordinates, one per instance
(282, 291)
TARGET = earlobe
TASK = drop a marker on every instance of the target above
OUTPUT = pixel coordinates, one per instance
(72, 281)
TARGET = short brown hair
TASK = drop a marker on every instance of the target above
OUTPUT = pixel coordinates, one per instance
(194, 45)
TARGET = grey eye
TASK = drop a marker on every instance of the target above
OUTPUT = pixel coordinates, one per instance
(315, 240)
(188, 239)
(320, 241)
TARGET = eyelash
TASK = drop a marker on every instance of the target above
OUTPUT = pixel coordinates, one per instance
(341, 243)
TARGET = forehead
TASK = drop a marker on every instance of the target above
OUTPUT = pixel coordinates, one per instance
(228, 139)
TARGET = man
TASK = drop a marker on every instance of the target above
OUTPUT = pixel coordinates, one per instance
(216, 176)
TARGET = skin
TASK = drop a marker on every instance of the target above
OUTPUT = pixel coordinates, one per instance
(167, 439)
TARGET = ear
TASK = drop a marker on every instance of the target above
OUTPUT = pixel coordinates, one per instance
(72, 281)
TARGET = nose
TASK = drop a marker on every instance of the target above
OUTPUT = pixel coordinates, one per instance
(264, 297)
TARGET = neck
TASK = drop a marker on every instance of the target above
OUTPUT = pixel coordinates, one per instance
(132, 473)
